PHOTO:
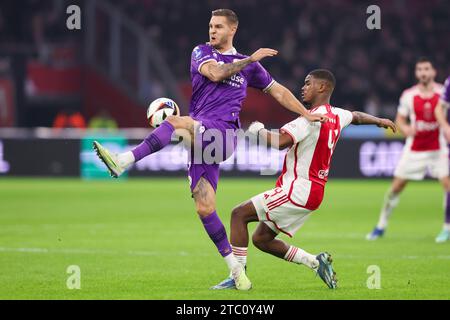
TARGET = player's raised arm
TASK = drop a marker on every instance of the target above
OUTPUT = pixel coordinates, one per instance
(287, 99)
(275, 140)
(218, 72)
(360, 118)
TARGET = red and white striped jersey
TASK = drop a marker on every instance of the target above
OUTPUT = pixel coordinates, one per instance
(307, 162)
(420, 110)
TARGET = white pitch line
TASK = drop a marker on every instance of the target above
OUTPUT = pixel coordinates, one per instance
(94, 251)
(185, 254)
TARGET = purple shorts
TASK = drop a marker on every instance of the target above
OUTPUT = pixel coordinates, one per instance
(215, 142)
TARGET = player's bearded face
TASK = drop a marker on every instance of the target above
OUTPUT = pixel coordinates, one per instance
(425, 72)
(220, 32)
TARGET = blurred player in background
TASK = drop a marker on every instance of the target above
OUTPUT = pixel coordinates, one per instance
(425, 148)
(220, 76)
(300, 188)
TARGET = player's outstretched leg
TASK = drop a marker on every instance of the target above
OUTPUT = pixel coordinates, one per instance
(240, 217)
(444, 235)
(391, 201)
(264, 239)
(155, 141)
(205, 201)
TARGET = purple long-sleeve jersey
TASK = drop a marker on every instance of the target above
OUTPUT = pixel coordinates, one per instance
(223, 100)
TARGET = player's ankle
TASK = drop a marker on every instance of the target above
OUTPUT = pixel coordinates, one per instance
(299, 256)
(232, 262)
(125, 159)
(381, 225)
(241, 254)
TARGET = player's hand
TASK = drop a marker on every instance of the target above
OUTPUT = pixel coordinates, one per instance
(387, 124)
(255, 127)
(263, 53)
(314, 117)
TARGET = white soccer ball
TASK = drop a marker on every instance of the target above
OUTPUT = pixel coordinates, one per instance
(160, 109)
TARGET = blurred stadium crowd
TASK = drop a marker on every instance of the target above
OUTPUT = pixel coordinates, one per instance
(372, 66)
(30, 21)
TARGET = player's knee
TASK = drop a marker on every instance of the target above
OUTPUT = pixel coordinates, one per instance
(396, 189)
(446, 184)
(238, 214)
(205, 209)
(177, 122)
(398, 185)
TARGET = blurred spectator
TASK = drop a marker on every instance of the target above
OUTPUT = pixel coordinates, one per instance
(371, 66)
(372, 105)
(69, 119)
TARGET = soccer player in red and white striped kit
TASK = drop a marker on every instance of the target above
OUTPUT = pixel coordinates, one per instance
(300, 188)
(426, 148)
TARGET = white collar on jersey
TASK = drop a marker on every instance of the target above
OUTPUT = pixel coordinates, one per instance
(230, 52)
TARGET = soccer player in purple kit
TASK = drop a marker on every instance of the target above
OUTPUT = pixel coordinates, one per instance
(220, 76)
(443, 119)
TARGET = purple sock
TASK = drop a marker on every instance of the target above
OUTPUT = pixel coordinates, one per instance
(155, 141)
(217, 233)
(447, 208)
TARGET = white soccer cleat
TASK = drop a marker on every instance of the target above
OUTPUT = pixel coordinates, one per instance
(443, 236)
(109, 159)
(241, 280)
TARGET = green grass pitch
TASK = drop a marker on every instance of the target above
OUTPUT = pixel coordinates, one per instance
(141, 239)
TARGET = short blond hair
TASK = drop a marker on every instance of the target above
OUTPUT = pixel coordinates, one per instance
(229, 14)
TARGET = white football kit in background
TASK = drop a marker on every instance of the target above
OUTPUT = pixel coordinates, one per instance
(428, 149)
